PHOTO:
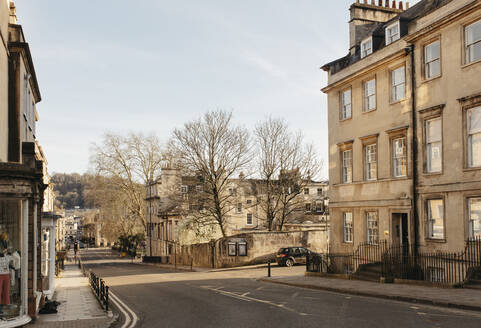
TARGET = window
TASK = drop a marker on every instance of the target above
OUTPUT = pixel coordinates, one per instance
(474, 217)
(399, 159)
(249, 202)
(371, 162)
(346, 104)
(398, 84)
(435, 209)
(184, 189)
(306, 191)
(198, 188)
(348, 227)
(432, 61)
(473, 121)
(347, 166)
(372, 228)
(308, 207)
(472, 42)
(392, 33)
(370, 95)
(232, 249)
(319, 206)
(366, 47)
(249, 219)
(433, 145)
(242, 246)
(319, 191)
(239, 207)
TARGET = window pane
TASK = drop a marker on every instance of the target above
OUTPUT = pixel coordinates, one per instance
(434, 157)
(432, 52)
(475, 52)
(474, 150)
(398, 76)
(436, 218)
(474, 217)
(372, 227)
(433, 69)
(433, 130)
(474, 120)
(473, 33)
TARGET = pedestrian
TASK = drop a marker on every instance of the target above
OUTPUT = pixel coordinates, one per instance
(75, 249)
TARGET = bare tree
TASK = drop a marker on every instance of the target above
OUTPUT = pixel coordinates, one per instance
(215, 150)
(113, 208)
(129, 162)
(286, 165)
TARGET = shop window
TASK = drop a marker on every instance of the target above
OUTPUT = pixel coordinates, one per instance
(10, 259)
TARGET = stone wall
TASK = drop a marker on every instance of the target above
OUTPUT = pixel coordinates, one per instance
(261, 246)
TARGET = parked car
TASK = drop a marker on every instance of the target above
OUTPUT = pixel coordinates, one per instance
(288, 256)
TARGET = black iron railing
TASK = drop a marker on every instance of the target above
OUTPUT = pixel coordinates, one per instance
(401, 262)
(100, 289)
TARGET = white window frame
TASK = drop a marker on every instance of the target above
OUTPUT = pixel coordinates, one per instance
(399, 159)
(369, 98)
(249, 217)
(470, 134)
(372, 227)
(470, 45)
(431, 234)
(430, 141)
(346, 107)
(366, 47)
(319, 191)
(346, 166)
(434, 61)
(370, 161)
(184, 189)
(390, 38)
(396, 85)
(472, 233)
(348, 228)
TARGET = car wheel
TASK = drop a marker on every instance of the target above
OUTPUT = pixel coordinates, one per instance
(289, 262)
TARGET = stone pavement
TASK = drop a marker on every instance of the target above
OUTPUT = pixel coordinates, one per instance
(78, 307)
(467, 299)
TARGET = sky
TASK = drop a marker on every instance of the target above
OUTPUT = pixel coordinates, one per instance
(151, 65)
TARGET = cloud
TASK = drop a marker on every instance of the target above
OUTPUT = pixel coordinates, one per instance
(263, 64)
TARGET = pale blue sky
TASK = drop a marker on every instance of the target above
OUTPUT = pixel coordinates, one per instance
(151, 65)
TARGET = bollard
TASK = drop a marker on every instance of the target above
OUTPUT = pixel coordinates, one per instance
(269, 268)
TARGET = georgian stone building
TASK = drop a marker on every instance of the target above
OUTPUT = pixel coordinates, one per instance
(404, 110)
(21, 175)
(166, 214)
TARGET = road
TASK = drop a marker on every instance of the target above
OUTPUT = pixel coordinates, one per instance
(163, 298)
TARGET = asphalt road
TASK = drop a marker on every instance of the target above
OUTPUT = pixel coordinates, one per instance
(162, 298)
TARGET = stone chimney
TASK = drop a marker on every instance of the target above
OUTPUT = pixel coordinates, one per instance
(370, 11)
(13, 13)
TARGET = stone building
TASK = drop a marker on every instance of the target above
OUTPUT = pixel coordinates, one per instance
(171, 201)
(404, 107)
(21, 176)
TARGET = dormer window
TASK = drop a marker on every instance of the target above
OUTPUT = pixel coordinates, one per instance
(392, 33)
(366, 47)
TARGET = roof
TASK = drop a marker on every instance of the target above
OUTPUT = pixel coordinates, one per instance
(422, 8)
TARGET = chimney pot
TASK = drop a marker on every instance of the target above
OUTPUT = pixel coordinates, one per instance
(407, 5)
(401, 5)
(386, 3)
(393, 4)
(379, 3)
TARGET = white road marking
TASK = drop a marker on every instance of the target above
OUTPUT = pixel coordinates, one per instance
(125, 309)
(251, 299)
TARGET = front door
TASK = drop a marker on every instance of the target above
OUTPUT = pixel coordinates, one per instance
(400, 232)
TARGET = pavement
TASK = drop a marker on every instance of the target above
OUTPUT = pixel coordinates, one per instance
(466, 299)
(78, 308)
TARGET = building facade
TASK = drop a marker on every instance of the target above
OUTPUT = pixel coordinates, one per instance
(167, 214)
(21, 176)
(403, 110)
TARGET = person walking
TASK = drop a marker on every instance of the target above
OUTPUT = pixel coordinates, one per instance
(75, 249)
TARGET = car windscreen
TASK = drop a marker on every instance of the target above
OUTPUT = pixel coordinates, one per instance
(283, 251)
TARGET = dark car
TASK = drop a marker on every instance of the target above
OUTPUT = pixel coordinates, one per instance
(288, 256)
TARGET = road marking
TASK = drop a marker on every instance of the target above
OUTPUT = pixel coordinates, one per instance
(128, 313)
(250, 299)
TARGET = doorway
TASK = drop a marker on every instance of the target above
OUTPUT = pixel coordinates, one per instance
(400, 232)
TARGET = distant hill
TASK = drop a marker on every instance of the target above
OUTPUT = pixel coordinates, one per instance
(70, 190)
